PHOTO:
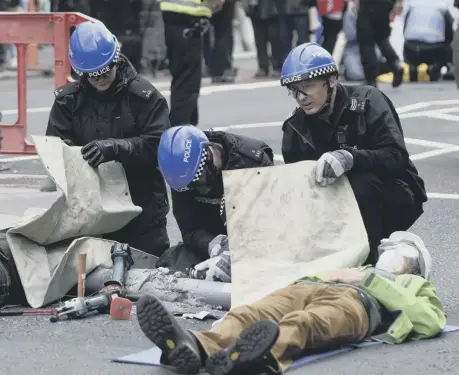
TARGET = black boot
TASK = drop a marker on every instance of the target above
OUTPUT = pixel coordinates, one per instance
(179, 348)
(249, 355)
(398, 74)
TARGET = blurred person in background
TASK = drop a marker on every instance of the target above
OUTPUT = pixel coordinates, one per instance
(332, 20)
(353, 69)
(293, 18)
(153, 42)
(373, 28)
(218, 45)
(185, 23)
(428, 36)
(122, 18)
(265, 22)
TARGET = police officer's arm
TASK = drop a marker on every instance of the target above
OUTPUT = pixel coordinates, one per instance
(188, 216)
(60, 118)
(385, 151)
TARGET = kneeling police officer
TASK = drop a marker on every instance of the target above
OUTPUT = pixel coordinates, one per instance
(116, 116)
(192, 162)
(354, 130)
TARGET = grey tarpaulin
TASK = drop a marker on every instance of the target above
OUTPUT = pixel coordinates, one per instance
(92, 202)
(282, 226)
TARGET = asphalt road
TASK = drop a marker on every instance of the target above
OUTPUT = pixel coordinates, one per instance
(31, 344)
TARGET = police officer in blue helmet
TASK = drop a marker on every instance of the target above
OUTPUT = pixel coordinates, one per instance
(116, 115)
(353, 131)
(192, 161)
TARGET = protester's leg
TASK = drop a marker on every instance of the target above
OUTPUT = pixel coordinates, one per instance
(272, 307)
(186, 351)
(369, 193)
(334, 316)
(178, 347)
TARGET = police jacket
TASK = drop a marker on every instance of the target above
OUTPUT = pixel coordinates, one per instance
(132, 108)
(365, 123)
(198, 216)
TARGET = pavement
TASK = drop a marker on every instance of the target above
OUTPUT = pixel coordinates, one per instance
(430, 117)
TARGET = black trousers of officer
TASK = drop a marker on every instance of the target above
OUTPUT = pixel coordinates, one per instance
(385, 208)
(185, 66)
(373, 28)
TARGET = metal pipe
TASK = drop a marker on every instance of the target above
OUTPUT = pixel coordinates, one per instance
(208, 292)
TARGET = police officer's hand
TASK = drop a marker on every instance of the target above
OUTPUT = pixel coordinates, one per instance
(217, 268)
(98, 152)
(218, 245)
(332, 165)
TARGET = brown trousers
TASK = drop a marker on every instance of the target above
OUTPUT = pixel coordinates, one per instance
(309, 317)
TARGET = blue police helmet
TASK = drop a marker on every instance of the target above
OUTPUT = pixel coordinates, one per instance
(306, 61)
(179, 155)
(93, 48)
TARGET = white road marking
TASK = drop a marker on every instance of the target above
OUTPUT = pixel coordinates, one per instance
(424, 105)
(443, 196)
(443, 116)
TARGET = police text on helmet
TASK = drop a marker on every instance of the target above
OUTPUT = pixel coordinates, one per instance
(186, 155)
(292, 79)
(99, 72)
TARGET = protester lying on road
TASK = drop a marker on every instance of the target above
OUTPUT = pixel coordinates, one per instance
(392, 302)
(192, 162)
(353, 130)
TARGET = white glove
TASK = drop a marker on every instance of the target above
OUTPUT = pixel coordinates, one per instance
(218, 268)
(332, 165)
(218, 245)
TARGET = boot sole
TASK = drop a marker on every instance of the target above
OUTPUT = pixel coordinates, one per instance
(160, 327)
(252, 346)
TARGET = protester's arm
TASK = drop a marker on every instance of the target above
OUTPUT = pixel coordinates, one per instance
(424, 309)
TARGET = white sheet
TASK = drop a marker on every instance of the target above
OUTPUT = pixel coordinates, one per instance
(282, 226)
(93, 202)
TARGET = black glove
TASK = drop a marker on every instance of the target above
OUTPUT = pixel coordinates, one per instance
(103, 151)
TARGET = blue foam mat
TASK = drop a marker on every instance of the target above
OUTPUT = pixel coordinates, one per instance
(151, 357)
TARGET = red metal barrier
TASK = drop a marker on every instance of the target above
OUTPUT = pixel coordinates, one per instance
(23, 29)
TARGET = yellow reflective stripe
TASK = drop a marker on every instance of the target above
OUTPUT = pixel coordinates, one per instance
(191, 7)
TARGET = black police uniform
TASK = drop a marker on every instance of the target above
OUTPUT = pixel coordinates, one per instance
(386, 184)
(132, 109)
(202, 217)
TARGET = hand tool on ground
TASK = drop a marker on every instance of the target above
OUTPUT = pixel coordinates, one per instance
(111, 299)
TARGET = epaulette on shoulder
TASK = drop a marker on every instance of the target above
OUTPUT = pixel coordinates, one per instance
(357, 104)
(290, 116)
(293, 113)
(67, 89)
(142, 88)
